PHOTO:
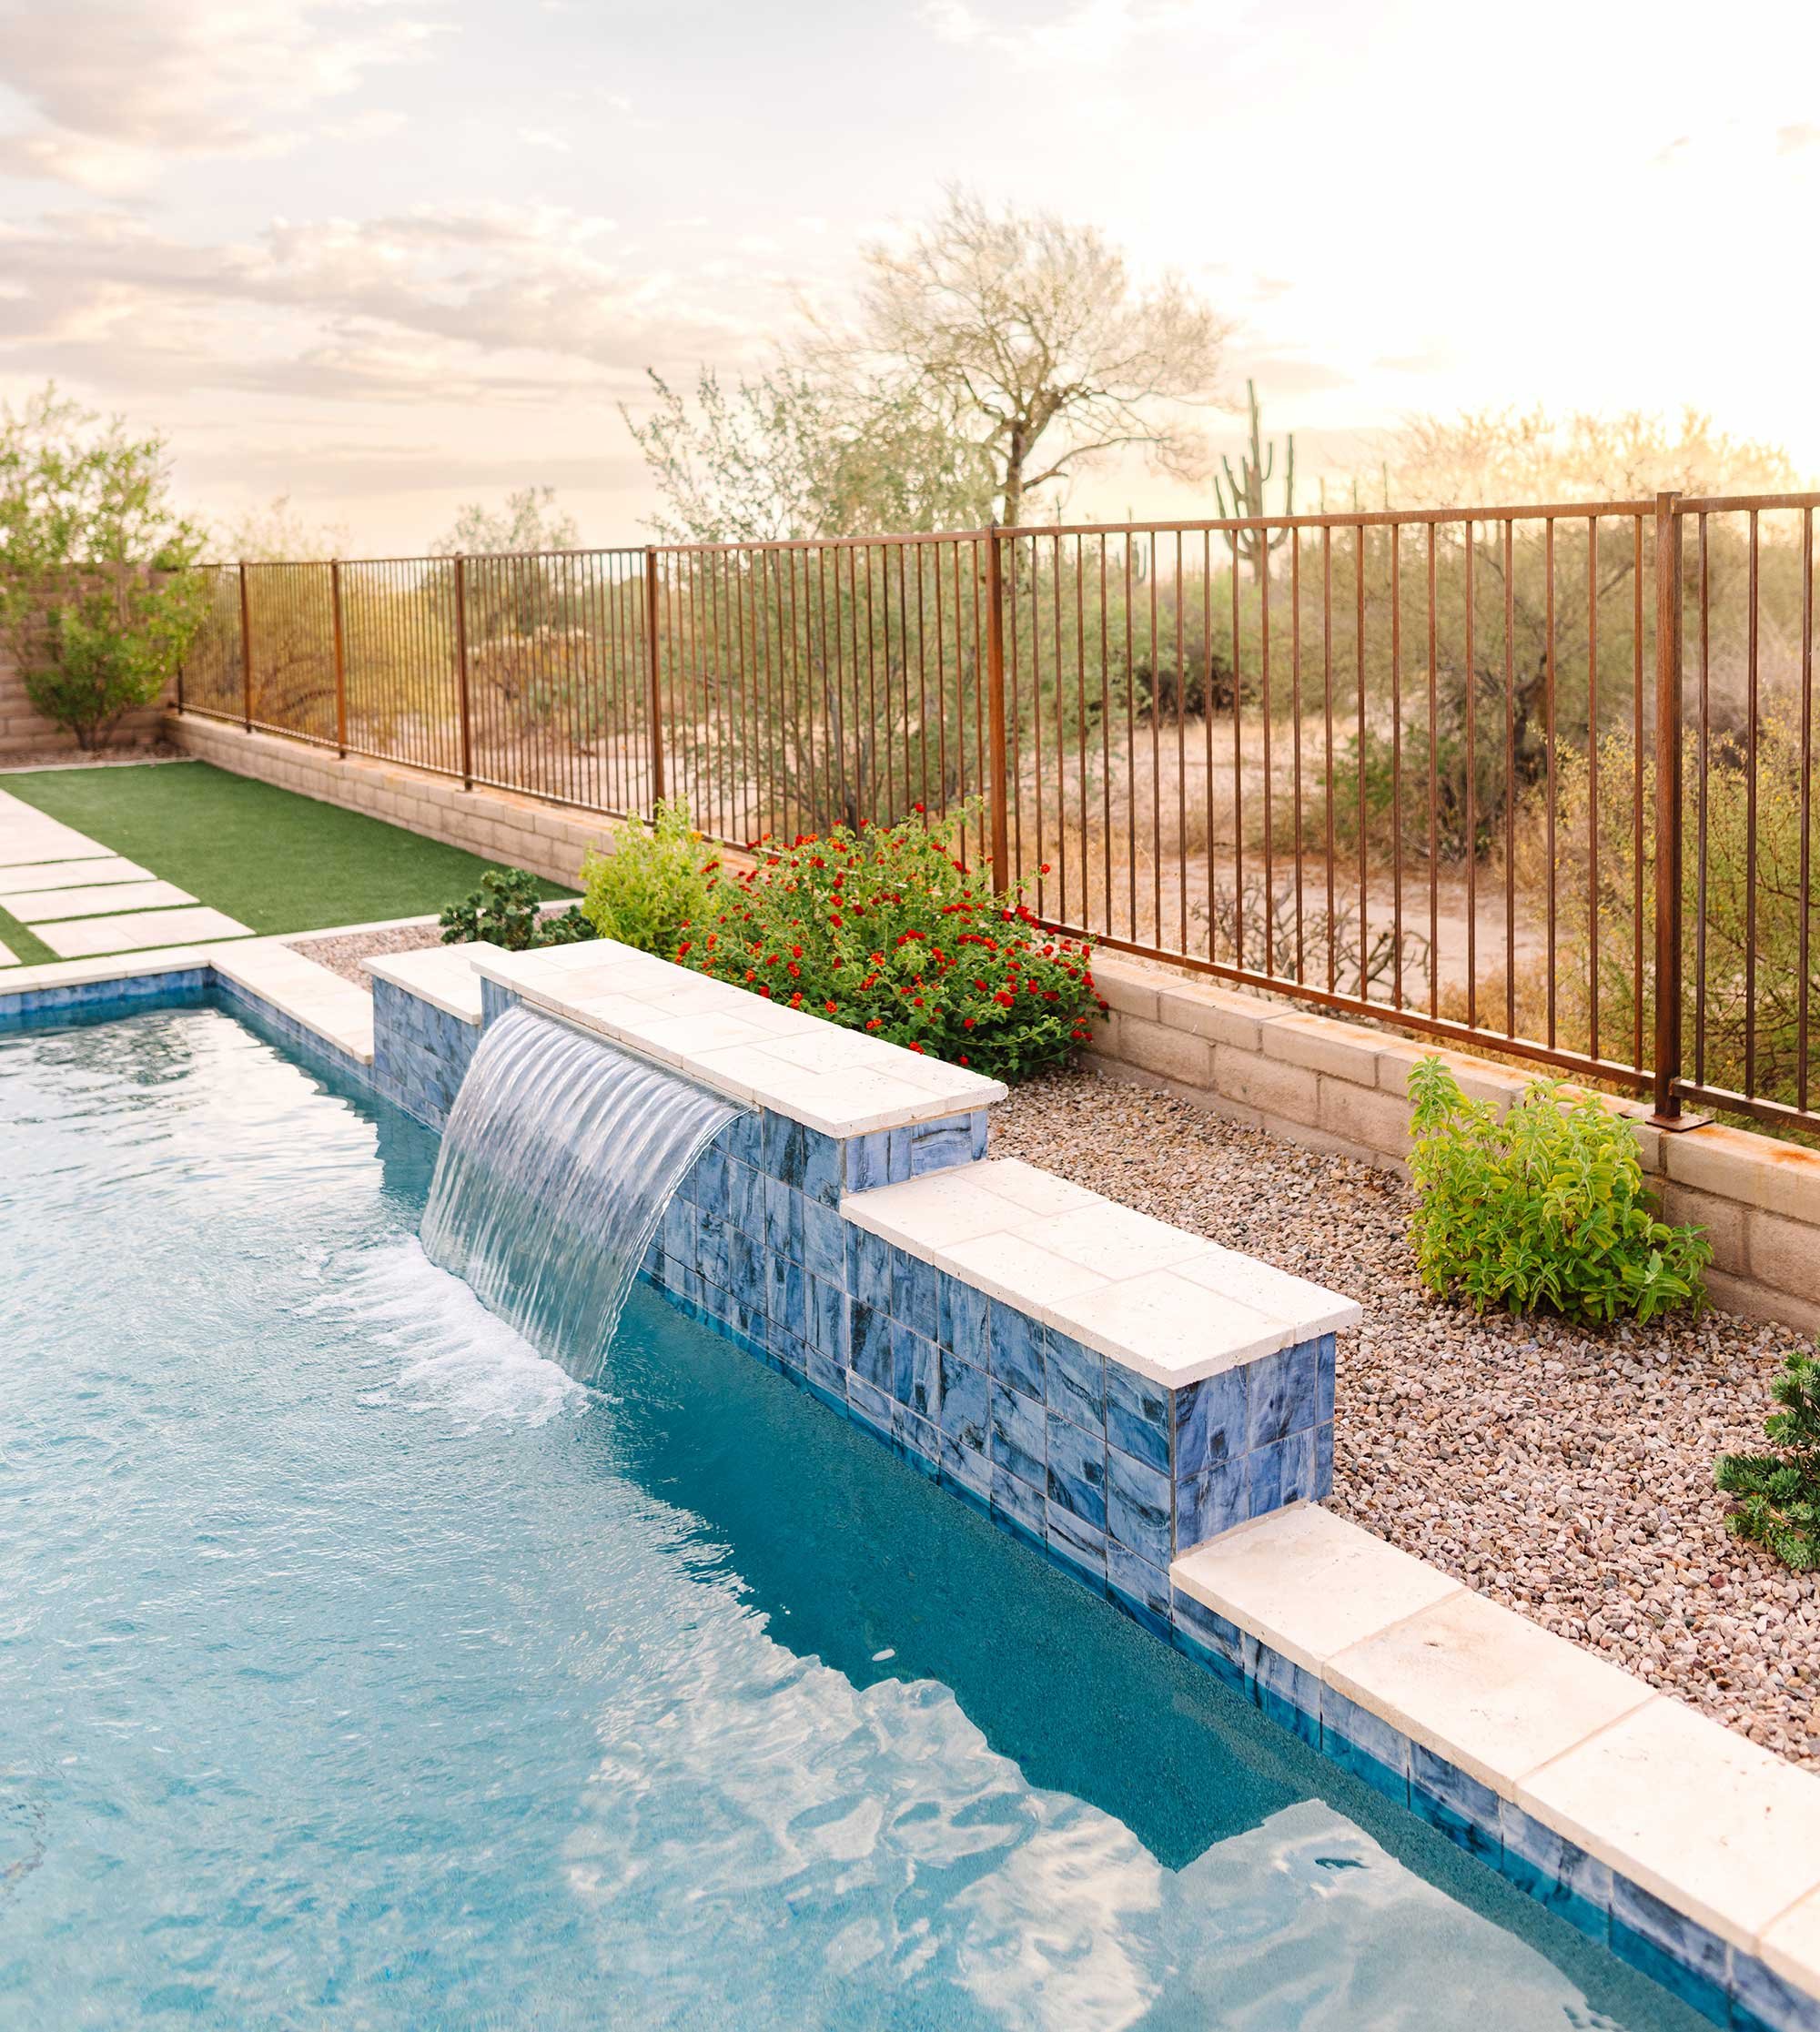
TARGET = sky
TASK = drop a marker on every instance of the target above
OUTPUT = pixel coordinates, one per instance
(386, 257)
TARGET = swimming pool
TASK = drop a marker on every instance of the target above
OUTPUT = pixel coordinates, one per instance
(358, 1668)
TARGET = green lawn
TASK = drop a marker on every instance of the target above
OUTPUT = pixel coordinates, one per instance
(275, 861)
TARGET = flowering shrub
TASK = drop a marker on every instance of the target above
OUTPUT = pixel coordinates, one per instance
(881, 930)
(651, 883)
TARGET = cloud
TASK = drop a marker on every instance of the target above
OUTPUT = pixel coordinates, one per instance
(1084, 33)
(119, 89)
(486, 301)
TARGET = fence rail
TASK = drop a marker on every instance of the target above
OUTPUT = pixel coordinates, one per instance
(1535, 778)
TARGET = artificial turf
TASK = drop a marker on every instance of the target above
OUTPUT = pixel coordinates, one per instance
(275, 861)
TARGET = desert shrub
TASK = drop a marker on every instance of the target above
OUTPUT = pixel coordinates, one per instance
(506, 911)
(1546, 1207)
(881, 929)
(653, 883)
(1779, 1505)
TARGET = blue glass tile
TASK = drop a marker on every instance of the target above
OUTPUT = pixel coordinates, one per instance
(1019, 1435)
(828, 1379)
(783, 1219)
(678, 1230)
(869, 1268)
(868, 1160)
(917, 1439)
(713, 1246)
(1209, 1422)
(789, 1348)
(938, 1146)
(707, 1181)
(1366, 1745)
(966, 1465)
(744, 1137)
(1288, 1693)
(829, 1332)
(872, 1357)
(914, 1288)
(1012, 1494)
(1076, 1543)
(965, 1413)
(1139, 1589)
(916, 1371)
(1672, 1949)
(1211, 1503)
(1074, 1380)
(898, 1155)
(1076, 1470)
(786, 1295)
(1763, 2002)
(1280, 1394)
(1017, 1348)
(744, 1189)
(824, 1241)
(1555, 1872)
(1137, 1507)
(1281, 1473)
(871, 1406)
(1453, 1801)
(746, 1261)
(1322, 1485)
(1208, 1628)
(963, 1322)
(979, 1132)
(1323, 1382)
(1136, 1415)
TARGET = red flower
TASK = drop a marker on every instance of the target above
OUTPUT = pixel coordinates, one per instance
(832, 1008)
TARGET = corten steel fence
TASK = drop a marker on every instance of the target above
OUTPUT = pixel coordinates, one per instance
(1535, 778)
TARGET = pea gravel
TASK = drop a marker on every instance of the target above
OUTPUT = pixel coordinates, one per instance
(342, 952)
(1563, 1473)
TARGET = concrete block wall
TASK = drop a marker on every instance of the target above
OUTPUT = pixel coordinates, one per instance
(1342, 1088)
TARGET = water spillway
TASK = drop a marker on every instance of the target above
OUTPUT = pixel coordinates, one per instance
(560, 1157)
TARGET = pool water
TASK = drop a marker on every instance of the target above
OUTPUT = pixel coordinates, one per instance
(359, 1669)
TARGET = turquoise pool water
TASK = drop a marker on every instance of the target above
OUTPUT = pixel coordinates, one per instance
(358, 1669)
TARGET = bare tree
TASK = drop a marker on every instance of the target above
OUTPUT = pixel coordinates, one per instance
(1029, 335)
(529, 521)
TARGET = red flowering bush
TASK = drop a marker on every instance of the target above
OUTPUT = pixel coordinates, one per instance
(883, 930)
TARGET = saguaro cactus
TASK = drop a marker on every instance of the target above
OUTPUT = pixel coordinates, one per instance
(1247, 489)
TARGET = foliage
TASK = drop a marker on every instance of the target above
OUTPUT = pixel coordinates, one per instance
(1031, 332)
(1248, 484)
(1780, 1493)
(1545, 1209)
(881, 929)
(96, 603)
(653, 885)
(790, 453)
(504, 911)
(529, 521)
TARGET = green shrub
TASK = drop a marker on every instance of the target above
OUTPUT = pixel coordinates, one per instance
(654, 882)
(1546, 1207)
(1780, 1493)
(881, 929)
(505, 911)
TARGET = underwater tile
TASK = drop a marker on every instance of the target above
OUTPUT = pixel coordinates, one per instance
(966, 1465)
(1139, 1589)
(1457, 1803)
(1288, 1693)
(918, 1439)
(1684, 1957)
(1762, 2001)
(870, 1405)
(1365, 1744)
(1211, 1630)
(1076, 1543)
(1012, 1494)
(1554, 1872)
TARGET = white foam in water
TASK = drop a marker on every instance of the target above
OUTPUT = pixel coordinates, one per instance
(458, 1357)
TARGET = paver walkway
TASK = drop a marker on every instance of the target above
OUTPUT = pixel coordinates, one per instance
(81, 898)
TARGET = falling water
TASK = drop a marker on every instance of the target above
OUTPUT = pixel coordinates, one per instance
(560, 1157)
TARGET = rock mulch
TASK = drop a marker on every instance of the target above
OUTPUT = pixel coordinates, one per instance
(1565, 1474)
(341, 953)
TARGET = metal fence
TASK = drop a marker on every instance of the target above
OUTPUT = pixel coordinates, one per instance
(1537, 778)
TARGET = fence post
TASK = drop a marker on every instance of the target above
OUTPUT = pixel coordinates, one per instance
(461, 671)
(341, 661)
(651, 663)
(994, 707)
(246, 655)
(1667, 1068)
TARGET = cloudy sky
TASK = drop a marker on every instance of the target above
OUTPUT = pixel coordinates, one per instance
(385, 256)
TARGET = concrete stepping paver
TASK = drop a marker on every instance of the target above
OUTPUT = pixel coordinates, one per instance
(84, 936)
(42, 906)
(68, 874)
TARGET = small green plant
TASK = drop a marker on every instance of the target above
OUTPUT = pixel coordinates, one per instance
(653, 882)
(1779, 1493)
(505, 911)
(1546, 1207)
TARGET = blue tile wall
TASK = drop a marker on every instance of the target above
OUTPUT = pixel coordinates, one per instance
(421, 1053)
(19, 1003)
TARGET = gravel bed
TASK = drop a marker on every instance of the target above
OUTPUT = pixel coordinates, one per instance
(342, 952)
(1563, 1473)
